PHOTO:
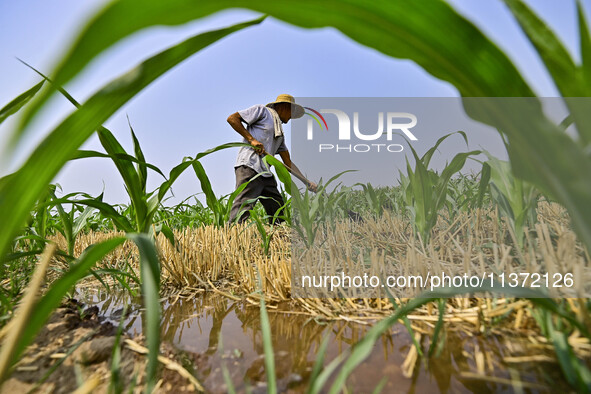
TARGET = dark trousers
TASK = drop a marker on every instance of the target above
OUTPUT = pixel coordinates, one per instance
(259, 187)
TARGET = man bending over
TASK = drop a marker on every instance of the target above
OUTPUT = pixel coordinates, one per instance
(265, 135)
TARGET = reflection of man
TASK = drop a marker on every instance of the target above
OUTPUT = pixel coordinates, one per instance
(265, 135)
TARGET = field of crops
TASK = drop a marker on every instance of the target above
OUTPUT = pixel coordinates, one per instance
(63, 251)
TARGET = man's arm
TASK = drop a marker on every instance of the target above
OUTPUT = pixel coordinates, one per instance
(296, 171)
(235, 120)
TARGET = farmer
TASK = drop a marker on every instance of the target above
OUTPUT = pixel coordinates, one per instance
(265, 135)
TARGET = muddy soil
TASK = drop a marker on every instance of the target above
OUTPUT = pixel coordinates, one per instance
(74, 350)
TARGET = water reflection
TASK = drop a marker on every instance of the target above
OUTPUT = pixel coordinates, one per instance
(217, 332)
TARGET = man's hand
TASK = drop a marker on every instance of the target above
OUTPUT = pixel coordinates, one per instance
(312, 187)
(236, 122)
(258, 147)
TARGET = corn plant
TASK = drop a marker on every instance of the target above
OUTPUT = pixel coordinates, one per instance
(286, 211)
(465, 193)
(375, 199)
(19, 102)
(70, 226)
(426, 190)
(266, 235)
(517, 199)
(311, 211)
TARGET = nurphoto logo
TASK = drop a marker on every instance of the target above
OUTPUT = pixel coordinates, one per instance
(395, 122)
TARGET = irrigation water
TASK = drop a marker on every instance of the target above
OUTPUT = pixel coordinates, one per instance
(216, 333)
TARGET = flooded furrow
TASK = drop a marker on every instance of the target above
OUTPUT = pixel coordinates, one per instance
(218, 335)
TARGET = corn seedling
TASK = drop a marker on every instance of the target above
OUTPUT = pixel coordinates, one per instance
(426, 190)
(516, 199)
(266, 236)
(310, 211)
(70, 226)
(375, 200)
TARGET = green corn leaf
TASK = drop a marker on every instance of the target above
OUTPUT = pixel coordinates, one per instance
(426, 159)
(210, 198)
(15, 105)
(335, 177)
(131, 178)
(281, 170)
(542, 154)
(585, 48)
(415, 30)
(142, 171)
(502, 201)
(179, 169)
(267, 342)
(232, 196)
(135, 181)
(107, 210)
(536, 297)
(318, 366)
(34, 252)
(96, 276)
(66, 223)
(436, 332)
(515, 198)
(456, 164)
(167, 231)
(363, 348)
(81, 221)
(172, 177)
(116, 152)
(116, 384)
(84, 154)
(555, 56)
(378, 389)
(422, 192)
(317, 384)
(19, 191)
(575, 372)
(150, 277)
(484, 181)
(41, 215)
(56, 87)
(566, 75)
(501, 176)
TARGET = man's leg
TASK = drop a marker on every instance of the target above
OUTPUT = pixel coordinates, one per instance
(251, 191)
(273, 200)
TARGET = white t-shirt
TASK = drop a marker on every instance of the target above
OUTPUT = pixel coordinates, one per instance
(261, 127)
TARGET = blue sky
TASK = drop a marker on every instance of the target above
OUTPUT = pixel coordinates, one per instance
(185, 111)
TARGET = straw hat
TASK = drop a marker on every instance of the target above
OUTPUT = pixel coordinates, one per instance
(297, 111)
